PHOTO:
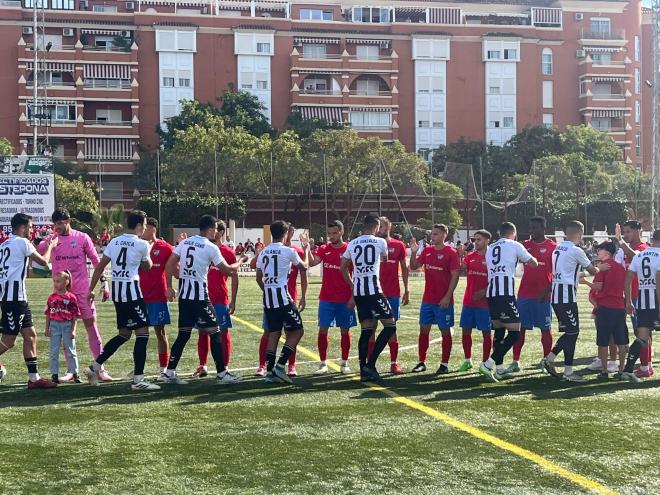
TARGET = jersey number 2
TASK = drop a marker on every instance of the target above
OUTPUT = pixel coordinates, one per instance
(365, 255)
(267, 263)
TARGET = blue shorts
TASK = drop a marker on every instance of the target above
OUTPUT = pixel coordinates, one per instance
(334, 314)
(478, 318)
(433, 314)
(534, 314)
(395, 303)
(158, 314)
(224, 318)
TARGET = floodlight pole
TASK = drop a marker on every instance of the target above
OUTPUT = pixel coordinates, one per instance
(35, 76)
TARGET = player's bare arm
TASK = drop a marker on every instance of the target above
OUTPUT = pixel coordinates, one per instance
(532, 262)
(232, 269)
(405, 272)
(96, 276)
(44, 259)
(260, 279)
(146, 265)
(234, 292)
(414, 247)
(171, 267)
(344, 267)
(453, 282)
(630, 276)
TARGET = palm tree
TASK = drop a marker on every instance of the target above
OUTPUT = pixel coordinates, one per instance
(111, 219)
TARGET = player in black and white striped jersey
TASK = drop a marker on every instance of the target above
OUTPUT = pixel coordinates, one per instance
(568, 260)
(366, 253)
(127, 254)
(646, 266)
(15, 254)
(192, 259)
(502, 257)
(273, 265)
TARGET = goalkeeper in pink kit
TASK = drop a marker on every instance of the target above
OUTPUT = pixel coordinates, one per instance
(72, 252)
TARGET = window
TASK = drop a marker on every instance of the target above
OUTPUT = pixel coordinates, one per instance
(367, 87)
(638, 112)
(601, 58)
(638, 144)
(62, 4)
(367, 52)
(370, 119)
(184, 82)
(493, 90)
(494, 55)
(107, 115)
(638, 85)
(423, 84)
(583, 88)
(547, 94)
(371, 14)
(546, 63)
(510, 54)
(314, 51)
(262, 84)
(423, 123)
(104, 8)
(315, 15)
(425, 154)
(263, 47)
(245, 79)
(494, 124)
(507, 122)
(547, 120)
(600, 25)
(312, 85)
(637, 49)
(601, 123)
(168, 82)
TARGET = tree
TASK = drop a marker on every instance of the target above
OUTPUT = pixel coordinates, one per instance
(192, 113)
(5, 147)
(443, 204)
(110, 219)
(243, 109)
(79, 197)
(535, 142)
(305, 127)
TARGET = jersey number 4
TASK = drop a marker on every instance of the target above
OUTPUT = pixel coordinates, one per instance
(121, 258)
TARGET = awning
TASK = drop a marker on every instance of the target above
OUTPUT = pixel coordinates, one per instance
(445, 15)
(607, 113)
(52, 66)
(494, 14)
(609, 78)
(366, 41)
(298, 40)
(598, 49)
(108, 148)
(106, 71)
(319, 71)
(51, 101)
(370, 109)
(330, 114)
(106, 32)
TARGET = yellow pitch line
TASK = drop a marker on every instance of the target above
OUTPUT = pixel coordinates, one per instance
(546, 464)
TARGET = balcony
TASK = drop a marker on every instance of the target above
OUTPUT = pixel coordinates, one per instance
(368, 93)
(319, 92)
(108, 123)
(53, 84)
(605, 96)
(613, 37)
(320, 56)
(107, 84)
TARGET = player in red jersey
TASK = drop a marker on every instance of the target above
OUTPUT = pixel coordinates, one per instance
(534, 292)
(475, 312)
(336, 304)
(389, 282)
(441, 267)
(224, 305)
(630, 243)
(154, 289)
(293, 292)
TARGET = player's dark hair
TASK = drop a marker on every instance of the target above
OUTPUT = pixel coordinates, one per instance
(483, 233)
(442, 227)
(135, 218)
(507, 228)
(633, 224)
(575, 225)
(60, 214)
(221, 225)
(19, 220)
(207, 222)
(370, 221)
(656, 235)
(336, 223)
(278, 229)
(540, 220)
(607, 246)
(153, 222)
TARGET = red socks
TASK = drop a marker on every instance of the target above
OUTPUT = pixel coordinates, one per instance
(487, 345)
(423, 346)
(645, 356)
(263, 344)
(394, 350)
(345, 345)
(546, 342)
(163, 359)
(226, 346)
(466, 339)
(292, 358)
(203, 343)
(323, 340)
(446, 348)
(370, 349)
(517, 347)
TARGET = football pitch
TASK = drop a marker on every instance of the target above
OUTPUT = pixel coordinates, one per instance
(418, 434)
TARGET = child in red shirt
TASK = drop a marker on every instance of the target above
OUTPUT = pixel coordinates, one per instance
(61, 313)
(607, 297)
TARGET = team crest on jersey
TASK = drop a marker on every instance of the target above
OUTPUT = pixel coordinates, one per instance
(65, 301)
(543, 250)
(440, 256)
(156, 251)
(390, 250)
(73, 244)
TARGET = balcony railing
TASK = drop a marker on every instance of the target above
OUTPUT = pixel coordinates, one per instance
(54, 85)
(372, 127)
(110, 123)
(92, 48)
(320, 56)
(364, 92)
(320, 92)
(613, 34)
(606, 96)
(609, 129)
(107, 83)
